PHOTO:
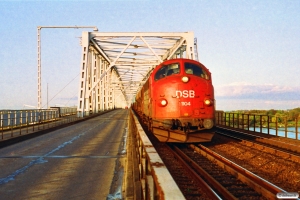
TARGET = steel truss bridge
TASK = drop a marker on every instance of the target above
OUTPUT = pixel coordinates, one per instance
(114, 66)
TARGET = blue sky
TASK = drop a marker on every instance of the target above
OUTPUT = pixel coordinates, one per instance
(252, 47)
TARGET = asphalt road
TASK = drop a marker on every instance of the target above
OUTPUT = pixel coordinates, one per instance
(82, 161)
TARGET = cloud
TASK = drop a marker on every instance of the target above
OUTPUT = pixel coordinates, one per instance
(255, 91)
(255, 104)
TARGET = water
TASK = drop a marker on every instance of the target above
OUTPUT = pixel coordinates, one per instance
(291, 131)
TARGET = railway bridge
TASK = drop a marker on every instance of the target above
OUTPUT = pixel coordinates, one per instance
(99, 151)
(115, 65)
(109, 155)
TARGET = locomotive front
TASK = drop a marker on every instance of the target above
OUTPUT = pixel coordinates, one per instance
(182, 104)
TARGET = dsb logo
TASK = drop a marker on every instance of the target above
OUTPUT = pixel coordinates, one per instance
(185, 93)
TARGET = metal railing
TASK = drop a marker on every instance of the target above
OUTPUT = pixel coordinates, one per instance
(153, 180)
(18, 122)
(267, 124)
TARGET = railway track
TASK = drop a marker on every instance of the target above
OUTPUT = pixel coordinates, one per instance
(190, 183)
(240, 182)
(226, 179)
(271, 163)
(203, 174)
(230, 168)
(279, 143)
(199, 177)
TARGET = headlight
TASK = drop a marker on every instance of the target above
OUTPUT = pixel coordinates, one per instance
(208, 102)
(185, 79)
(163, 102)
(208, 123)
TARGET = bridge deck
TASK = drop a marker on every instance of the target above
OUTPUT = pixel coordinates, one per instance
(82, 161)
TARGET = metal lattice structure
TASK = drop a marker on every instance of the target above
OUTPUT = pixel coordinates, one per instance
(114, 66)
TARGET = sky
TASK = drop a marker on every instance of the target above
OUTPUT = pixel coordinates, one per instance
(252, 48)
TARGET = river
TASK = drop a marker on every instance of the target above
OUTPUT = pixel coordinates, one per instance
(291, 131)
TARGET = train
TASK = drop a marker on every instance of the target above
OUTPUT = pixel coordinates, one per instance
(177, 102)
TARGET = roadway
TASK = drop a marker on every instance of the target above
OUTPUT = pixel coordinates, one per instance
(81, 161)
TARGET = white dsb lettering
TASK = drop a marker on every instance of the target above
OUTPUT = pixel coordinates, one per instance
(185, 93)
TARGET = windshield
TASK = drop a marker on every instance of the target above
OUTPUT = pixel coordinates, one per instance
(167, 70)
(196, 70)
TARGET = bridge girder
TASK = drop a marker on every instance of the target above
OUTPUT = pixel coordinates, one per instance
(114, 65)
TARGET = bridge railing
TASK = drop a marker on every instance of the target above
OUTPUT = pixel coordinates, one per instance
(14, 123)
(267, 124)
(18, 119)
(151, 180)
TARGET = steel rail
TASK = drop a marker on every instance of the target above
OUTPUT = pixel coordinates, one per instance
(266, 140)
(191, 166)
(259, 184)
(278, 152)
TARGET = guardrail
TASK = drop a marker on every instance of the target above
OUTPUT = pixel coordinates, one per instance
(16, 118)
(22, 122)
(267, 124)
(153, 180)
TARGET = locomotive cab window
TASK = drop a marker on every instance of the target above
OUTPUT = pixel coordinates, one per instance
(196, 70)
(167, 70)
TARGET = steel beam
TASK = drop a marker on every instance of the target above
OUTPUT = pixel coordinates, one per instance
(39, 59)
(126, 59)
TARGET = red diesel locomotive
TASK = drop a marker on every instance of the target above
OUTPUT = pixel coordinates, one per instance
(177, 102)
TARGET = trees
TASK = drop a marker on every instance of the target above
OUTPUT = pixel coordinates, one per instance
(281, 115)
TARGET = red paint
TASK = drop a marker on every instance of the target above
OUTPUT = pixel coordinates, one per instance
(185, 100)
